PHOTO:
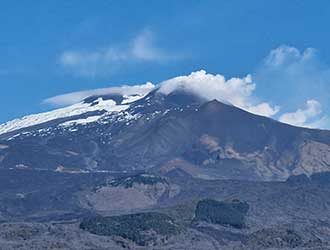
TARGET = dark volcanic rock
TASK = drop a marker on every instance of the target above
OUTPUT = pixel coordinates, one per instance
(302, 178)
(143, 229)
(145, 179)
(275, 238)
(220, 212)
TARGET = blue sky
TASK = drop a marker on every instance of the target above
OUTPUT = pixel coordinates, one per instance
(48, 48)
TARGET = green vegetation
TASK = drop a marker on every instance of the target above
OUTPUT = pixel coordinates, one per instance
(145, 179)
(221, 212)
(141, 228)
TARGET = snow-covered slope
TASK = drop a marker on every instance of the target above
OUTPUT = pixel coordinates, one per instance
(99, 104)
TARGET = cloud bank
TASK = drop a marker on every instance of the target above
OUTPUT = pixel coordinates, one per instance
(75, 97)
(103, 61)
(297, 81)
(236, 91)
(292, 77)
(301, 116)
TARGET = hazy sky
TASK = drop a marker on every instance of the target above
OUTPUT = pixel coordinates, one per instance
(48, 48)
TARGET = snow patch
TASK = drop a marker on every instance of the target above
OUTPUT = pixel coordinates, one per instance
(73, 110)
(132, 98)
(80, 121)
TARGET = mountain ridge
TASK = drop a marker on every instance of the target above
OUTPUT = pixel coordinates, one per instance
(147, 131)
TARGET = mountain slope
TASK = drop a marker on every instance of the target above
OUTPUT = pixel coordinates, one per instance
(159, 132)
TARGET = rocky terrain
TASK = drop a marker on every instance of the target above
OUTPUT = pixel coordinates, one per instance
(186, 212)
(156, 171)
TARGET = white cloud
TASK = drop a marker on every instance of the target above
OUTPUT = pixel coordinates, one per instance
(236, 91)
(106, 60)
(322, 122)
(304, 116)
(290, 76)
(143, 48)
(287, 56)
(75, 97)
(240, 92)
(264, 109)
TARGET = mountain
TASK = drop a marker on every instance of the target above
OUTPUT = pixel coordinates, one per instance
(167, 171)
(160, 132)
